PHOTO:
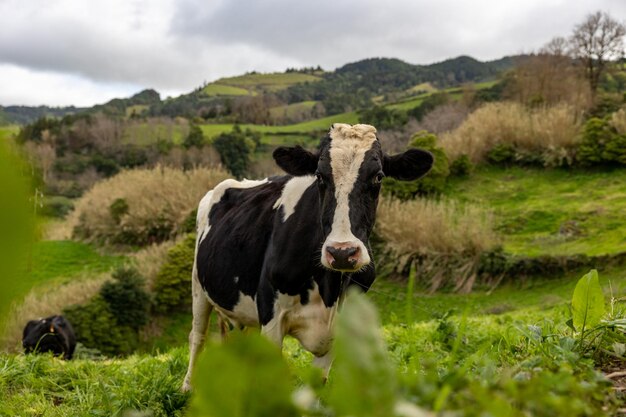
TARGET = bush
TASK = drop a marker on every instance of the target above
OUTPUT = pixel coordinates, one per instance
(235, 149)
(195, 138)
(56, 206)
(158, 202)
(129, 302)
(602, 143)
(433, 183)
(172, 286)
(110, 321)
(461, 167)
(96, 327)
(545, 135)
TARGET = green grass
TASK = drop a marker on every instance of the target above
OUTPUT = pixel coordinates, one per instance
(488, 353)
(313, 126)
(555, 212)
(267, 82)
(9, 131)
(216, 89)
(62, 259)
(144, 134)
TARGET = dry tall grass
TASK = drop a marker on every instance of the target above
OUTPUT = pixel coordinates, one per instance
(447, 238)
(46, 302)
(157, 200)
(552, 132)
(618, 121)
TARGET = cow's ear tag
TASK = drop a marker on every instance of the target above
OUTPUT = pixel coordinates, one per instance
(51, 328)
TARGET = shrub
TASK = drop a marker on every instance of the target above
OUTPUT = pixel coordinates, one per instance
(172, 286)
(545, 134)
(195, 138)
(159, 201)
(461, 167)
(96, 327)
(111, 320)
(56, 206)
(433, 183)
(235, 149)
(129, 302)
(602, 143)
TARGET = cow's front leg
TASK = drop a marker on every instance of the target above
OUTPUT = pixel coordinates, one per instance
(273, 331)
(201, 313)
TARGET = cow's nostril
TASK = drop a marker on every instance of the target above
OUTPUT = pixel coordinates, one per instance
(342, 258)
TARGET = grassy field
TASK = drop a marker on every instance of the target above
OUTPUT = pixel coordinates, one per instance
(8, 131)
(554, 212)
(58, 259)
(267, 82)
(487, 348)
(216, 89)
(143, 134)
(318, 125)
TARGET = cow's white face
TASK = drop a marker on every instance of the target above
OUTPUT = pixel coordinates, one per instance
(349, 168)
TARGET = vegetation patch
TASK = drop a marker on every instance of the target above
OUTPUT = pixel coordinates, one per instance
(142, 206)
(551, 212)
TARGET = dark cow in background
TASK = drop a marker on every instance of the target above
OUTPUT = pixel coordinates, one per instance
(280, 252)
(52, 334)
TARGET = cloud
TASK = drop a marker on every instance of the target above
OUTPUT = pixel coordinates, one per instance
(175, 45)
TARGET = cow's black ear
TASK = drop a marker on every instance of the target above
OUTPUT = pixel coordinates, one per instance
(296, 161)
(409, 165)
(29, 326)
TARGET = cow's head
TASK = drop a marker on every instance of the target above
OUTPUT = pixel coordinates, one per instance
(38, 334)
(350, 166)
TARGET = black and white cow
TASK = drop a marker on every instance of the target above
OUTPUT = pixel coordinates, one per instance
(52, 334)
(278, 253)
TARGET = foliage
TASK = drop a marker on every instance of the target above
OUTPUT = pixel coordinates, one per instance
(383, 118)
(546, 136)
(40, 385)
(96, 327)
(254, 381)
(56, 206)
(158, 202)
(172, 285)
(110, 321)
(129, 302)
(195, 138)
(601, 143)
(432, 183)
(587, 302)
(461, 167)
(235, 149)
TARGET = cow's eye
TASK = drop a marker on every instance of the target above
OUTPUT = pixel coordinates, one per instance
(320, 180)
(378, 178)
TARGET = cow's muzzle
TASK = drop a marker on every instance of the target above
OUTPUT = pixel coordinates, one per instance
(342, 257)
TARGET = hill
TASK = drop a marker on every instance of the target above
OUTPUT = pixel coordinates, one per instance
(353, 86)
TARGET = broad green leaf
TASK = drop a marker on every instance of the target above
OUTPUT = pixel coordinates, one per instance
(364, 380)
(246, 376)
(587, 302)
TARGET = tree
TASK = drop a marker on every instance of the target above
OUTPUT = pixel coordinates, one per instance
(596, 41)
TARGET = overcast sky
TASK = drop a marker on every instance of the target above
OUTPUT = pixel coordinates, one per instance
(82, 52)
